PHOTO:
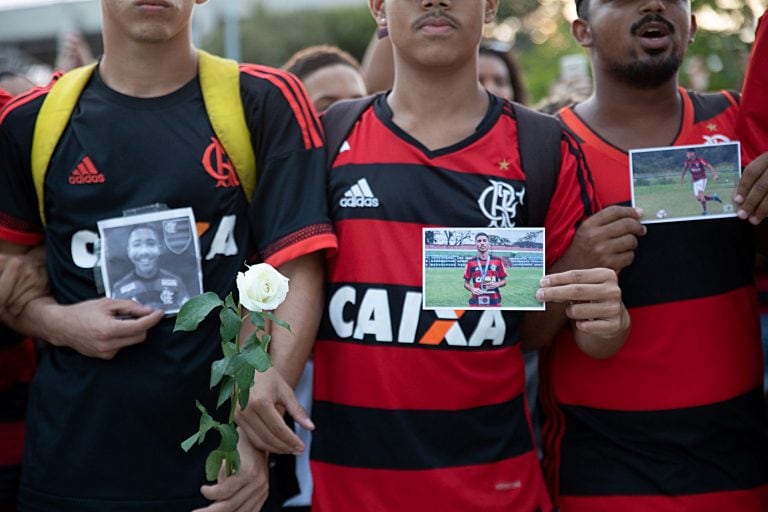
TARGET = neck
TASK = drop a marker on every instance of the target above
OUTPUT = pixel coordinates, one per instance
(631, 117)
(483, 255)
(146, 70)
(423, 98)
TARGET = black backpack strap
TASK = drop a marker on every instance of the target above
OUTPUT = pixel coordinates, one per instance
(539, 137)
(338, 121)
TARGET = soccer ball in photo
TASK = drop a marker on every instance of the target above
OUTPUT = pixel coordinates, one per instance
(661, 214)
(728, 208)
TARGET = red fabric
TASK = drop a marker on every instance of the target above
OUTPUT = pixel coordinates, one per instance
(752, 128)
(741, 501)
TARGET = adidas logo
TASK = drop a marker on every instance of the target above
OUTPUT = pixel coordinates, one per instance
(359, 195)
(86, 173)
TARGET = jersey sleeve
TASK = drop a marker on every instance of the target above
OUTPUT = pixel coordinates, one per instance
(572, 201)
(752, 126)
(289, 211)
(467, 273)
(19, 218)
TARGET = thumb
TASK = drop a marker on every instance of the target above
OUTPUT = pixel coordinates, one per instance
(294, 408)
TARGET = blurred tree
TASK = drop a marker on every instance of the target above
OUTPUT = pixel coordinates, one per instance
(538, 30)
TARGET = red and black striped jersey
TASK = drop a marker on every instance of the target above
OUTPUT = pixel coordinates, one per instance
(136, 152)
(752, 128)
(676, 420)
(417, 409)
(478, 272)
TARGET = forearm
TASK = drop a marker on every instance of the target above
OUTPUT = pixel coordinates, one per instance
(34, 319)
(302, 309)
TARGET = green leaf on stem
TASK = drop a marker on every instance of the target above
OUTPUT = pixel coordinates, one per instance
(242, 397)
(229, 437)
(229, 302)
(219, 369)
(229, 348)
(230, 324)
(257, 319)
(233, 459)
(213, 464)
(225, 390)
(190, 441)
(243, 371)
(195, 310)
(281, 323)
(251, 341)
(258, 358)
(265, 342)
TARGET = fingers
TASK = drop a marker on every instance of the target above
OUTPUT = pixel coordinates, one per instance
(752, 189)
(267, 431)
(230, 495)
(614, 213)
(295, 409)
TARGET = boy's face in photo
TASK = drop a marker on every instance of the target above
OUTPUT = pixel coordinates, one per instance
(144, 251)
(482, 244)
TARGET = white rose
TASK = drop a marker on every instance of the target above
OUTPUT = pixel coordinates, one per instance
(261, 287)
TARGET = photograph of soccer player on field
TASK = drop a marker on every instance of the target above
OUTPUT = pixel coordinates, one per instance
(685, 182)
(152, 258)
(482, 268)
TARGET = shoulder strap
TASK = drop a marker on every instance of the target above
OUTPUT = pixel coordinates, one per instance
(220, 82)
(338, 121)
(539, 136)
(51, 121)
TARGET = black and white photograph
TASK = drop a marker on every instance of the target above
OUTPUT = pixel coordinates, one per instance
(152, 258)
(683, 183)
(481, 268)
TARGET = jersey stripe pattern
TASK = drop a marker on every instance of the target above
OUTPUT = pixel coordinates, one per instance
(676, 420)
(104, 435)
(417, 409)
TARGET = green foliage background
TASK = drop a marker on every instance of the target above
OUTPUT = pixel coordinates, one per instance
(270, 37)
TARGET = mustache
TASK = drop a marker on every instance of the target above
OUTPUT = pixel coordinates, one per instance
(651, 18)
(436, 15)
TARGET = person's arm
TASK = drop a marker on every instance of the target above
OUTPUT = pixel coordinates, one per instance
(96, 328)
(272, 393)
(23, 276)
(682, 176)
(712, 170)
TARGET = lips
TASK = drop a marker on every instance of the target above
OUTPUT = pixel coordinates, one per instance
(655, 32)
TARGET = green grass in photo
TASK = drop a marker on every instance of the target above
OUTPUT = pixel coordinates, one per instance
(666, 193)
(444, 287)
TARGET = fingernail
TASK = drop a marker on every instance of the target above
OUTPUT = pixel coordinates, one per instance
(544, 281)
(309, 423)
(639, 211)
(540, 295)
(754, 220)
(738, 198)
(742, 214)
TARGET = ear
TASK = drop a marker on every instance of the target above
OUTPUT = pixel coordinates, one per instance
(491, 8)
(377, 10)
(581, 32)
(693, 27)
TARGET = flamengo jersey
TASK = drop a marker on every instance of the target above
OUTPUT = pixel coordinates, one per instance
(424, 410)
(478, 272)
(697, 167)
(676, 420)
(104, 435)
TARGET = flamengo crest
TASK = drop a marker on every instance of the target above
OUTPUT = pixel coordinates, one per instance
(499, 203)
